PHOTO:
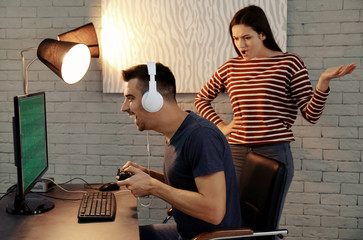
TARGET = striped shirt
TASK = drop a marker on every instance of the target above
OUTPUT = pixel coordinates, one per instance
(265, 94)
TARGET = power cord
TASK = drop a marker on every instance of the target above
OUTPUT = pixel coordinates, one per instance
(70, 191)
(65, 190)
(10, 190)
(148, 167)
(88, 185)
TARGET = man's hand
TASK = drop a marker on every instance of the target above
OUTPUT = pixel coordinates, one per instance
(140, 184)
(154, 174)
(135, 165)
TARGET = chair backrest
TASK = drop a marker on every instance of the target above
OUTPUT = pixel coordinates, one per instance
(261, 189)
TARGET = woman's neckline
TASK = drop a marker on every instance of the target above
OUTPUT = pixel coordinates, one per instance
(278, 54)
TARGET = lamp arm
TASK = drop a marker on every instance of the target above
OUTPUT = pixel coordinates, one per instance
(25, 69)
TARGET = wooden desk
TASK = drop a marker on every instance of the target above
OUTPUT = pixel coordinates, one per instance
(62, 223)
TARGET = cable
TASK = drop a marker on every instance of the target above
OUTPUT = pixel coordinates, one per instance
(65, 190)
(84, 192)
(89, 185)
(148, 167)
(10, 190)
(75, 179)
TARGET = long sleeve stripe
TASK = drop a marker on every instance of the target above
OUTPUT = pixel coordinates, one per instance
(266, 95)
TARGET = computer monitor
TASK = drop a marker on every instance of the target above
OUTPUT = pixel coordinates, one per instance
(30, 152)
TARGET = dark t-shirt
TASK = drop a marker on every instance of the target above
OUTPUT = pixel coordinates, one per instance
(198, 148)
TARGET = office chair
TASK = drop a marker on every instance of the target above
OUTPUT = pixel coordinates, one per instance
(260, 191)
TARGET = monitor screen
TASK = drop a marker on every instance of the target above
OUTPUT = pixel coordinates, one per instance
(33, 138)
(30, 151)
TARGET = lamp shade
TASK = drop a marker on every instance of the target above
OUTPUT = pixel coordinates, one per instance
(69, 60)
(86, 35)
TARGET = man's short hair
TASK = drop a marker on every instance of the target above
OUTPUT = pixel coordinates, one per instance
(165, 80)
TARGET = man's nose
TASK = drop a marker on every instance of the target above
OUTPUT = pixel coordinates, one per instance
(125, 106)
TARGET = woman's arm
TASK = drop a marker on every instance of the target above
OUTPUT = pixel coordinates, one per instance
(228, 129)
(312, 103)
(203, 100)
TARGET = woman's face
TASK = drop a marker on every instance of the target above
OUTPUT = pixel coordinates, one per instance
(248, 42)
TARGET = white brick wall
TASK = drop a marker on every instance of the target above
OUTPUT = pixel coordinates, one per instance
(90, 138)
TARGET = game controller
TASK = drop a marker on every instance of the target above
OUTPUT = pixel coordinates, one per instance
(122, 175)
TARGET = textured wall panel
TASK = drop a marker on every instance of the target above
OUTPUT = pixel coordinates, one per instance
(189, 36)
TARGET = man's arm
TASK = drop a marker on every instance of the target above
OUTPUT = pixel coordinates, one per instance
(157, 175)
(208, 204)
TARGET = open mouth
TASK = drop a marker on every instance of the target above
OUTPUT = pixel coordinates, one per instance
(243, 52)
(131, 115)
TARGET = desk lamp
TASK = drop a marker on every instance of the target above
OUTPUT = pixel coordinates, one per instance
(68, 57)
(86, 35)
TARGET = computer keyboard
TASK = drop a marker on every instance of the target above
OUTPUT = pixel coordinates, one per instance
(97, 206)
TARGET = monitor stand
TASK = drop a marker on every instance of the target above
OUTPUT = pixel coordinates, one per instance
(29, 206)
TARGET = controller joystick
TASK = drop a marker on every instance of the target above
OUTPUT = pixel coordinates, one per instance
(122, 175)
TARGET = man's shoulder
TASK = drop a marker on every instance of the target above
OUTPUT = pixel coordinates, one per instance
(203, 128)
(202, 123)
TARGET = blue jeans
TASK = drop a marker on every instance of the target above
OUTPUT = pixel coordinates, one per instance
(278, 151)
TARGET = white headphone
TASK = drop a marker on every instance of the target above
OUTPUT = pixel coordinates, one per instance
(152, 101)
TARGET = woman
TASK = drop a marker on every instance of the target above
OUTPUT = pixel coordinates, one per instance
(267, 88)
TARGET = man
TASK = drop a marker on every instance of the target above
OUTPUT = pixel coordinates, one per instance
(199, 178)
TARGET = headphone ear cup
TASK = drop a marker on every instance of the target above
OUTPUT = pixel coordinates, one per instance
(152, 101)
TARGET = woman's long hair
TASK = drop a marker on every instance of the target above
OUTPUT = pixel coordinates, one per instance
(255, 18)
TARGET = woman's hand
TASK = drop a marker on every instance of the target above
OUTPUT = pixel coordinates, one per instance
(333, 72)
(228, 129)
(225, 129)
